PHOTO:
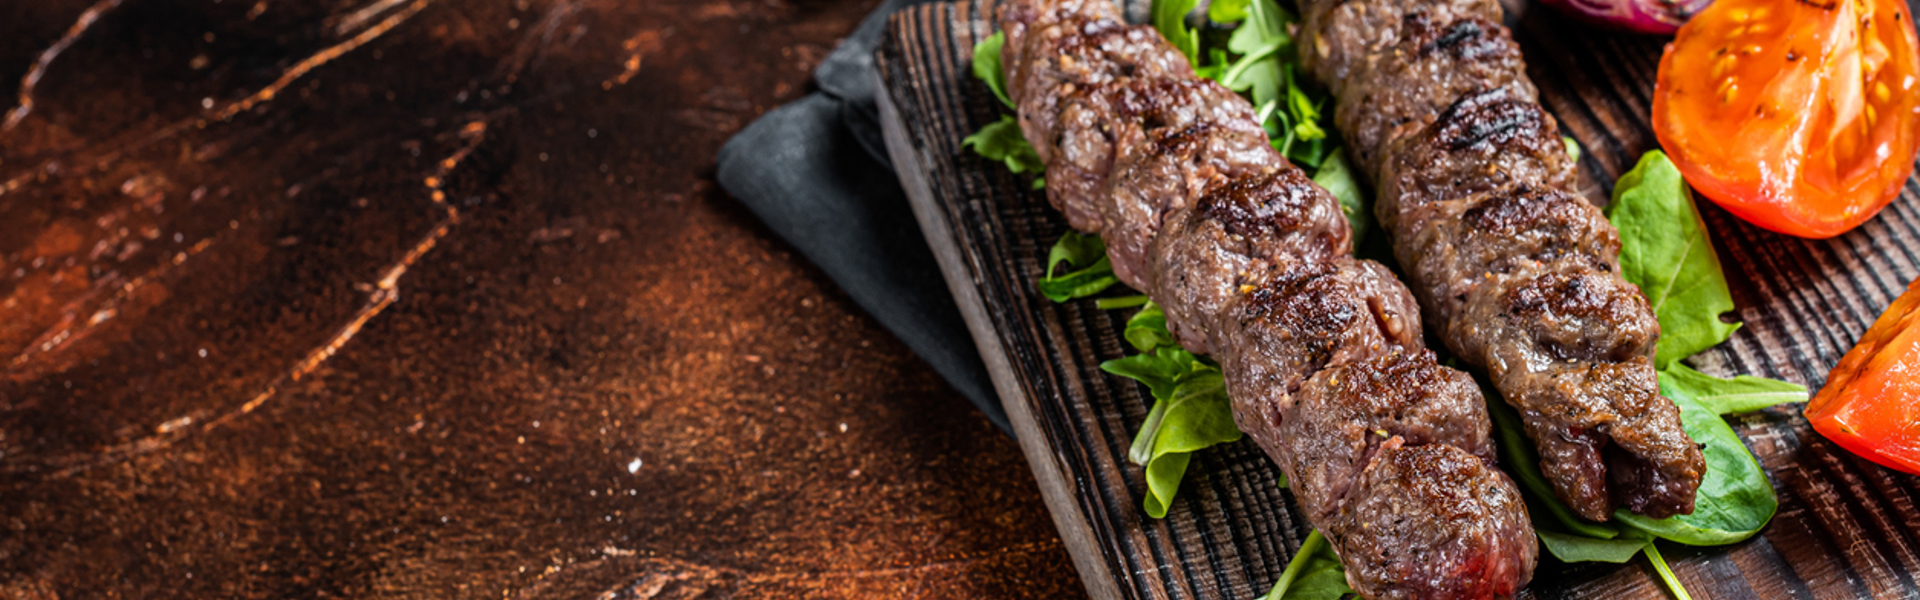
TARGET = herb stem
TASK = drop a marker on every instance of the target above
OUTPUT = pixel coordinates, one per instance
(1666, 573)
(1120, 302)
(1246, 62)
(1308, 548)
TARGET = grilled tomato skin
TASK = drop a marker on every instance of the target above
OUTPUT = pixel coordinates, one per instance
(1871, 403)
(1797, 115)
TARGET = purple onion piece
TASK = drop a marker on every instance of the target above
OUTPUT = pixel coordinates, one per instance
(1660, 17)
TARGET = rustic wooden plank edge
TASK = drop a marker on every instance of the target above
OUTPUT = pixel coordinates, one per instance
(1060, 493)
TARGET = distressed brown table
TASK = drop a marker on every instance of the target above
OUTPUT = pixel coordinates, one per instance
(404, 298)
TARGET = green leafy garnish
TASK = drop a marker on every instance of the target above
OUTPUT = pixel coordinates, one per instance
(986, 65)
(1090, 273)
(1735, 498)
(1577, 548)
(1314, 573)
(1573, 148)
(1197, 416)
(1002, 141)
(1743, 393)
(1170, 17)
(1227, 11)
(1665, 250)
(1147, 329)
(1190, 411)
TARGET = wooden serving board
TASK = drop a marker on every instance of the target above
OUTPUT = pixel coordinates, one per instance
(1846, 527)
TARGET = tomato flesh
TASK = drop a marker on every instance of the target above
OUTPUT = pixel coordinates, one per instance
(1797, 115)
(1871, 403)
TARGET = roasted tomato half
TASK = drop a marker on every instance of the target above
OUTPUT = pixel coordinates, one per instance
(1871, 403)
(1796, 115)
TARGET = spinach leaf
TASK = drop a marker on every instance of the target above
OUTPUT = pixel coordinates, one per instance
(1147, 329)
(1198, 415)
(1337, 177)
(1170, 17)
(1087, 254)
(1743, 393)
(1576, 548)
(1665, 250)
(1314, 573)
(986, 65)
(1735, 498)
(1674, 586)
(1573, 148)
(1002, 141)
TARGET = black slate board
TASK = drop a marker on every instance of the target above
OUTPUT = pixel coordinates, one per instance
(1846, 527)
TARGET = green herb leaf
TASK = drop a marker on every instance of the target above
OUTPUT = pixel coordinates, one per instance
(1314, 573)
(1197, 416)
(1573, 148)
(986, 65)
(1264, 29)
(1306, 112)
(1002, 141)
(1744, 393)
(1665, 250)
(1576, 548)
(1092, 274)
(1076, 250)
(1227, 11)
(1147, 329)
(1735, 499)
(1337, 177)
(1170, 17)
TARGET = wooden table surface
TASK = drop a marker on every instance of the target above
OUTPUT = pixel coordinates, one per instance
(416, 299)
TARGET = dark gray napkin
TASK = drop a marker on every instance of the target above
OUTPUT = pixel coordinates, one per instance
(816, 171)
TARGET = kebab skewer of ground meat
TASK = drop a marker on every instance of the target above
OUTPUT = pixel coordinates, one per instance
(1387, 452)
(1516, 272)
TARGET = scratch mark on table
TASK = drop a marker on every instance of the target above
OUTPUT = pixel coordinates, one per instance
(386, 291)
(27, 83)
(321, 58)
(229, 110)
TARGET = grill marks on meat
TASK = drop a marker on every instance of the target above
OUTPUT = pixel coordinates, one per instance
(1322, 353)
(1519, 275)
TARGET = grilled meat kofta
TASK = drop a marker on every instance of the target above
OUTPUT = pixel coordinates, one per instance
(1514, 270)
(1388, 452)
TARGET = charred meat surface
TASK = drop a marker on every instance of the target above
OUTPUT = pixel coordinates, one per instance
(1323, 354)
(1515, 272)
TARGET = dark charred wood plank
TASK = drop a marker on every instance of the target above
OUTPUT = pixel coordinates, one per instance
(1846, 528)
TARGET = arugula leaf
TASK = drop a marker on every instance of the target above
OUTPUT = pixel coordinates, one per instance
(986, 65)
(1227, 11)
(1306, 112)
(1197, 416)
(1002, 141)
(1576, 548)
(1743, 393)
(1087, 254)
(1170, 17)
(1264, 27)
(1735, 498)
(1665, 250)
(1314, 573)
(1147, 329)
(1337, 177)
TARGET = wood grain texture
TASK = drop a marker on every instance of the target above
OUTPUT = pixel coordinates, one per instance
(1846, 527)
